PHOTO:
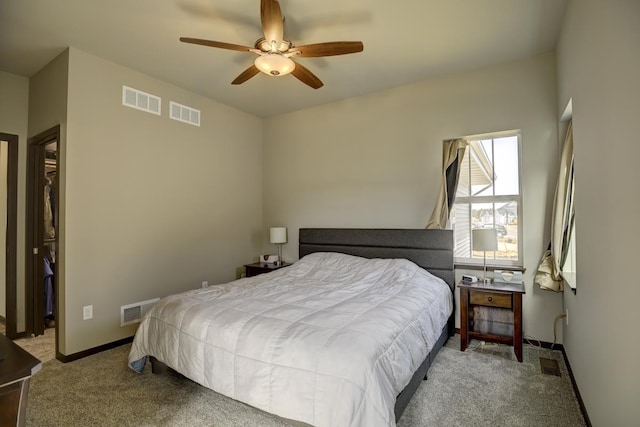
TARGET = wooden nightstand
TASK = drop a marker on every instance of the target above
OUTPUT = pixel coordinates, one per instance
(502, 320)
(262, 267)
(16, 369)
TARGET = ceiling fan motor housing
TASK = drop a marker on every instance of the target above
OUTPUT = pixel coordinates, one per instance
(265, 45)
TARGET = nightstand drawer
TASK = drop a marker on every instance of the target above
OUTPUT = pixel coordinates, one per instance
(490, 299)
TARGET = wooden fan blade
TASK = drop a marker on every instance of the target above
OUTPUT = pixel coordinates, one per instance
(307, 77)
(246, 75)
(271, 18)
(212, 43)
(327, 49)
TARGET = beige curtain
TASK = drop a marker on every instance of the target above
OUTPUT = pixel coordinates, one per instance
(452, 155)
(548, 275)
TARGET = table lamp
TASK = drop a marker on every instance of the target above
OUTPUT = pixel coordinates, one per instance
(485, 240)
(278, 236)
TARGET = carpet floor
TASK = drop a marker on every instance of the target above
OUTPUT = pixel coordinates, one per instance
(483, 386)
(42, 347)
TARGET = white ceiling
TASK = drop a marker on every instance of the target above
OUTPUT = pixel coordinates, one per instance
(404, 41)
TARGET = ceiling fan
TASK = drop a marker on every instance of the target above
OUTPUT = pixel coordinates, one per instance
(275, 52)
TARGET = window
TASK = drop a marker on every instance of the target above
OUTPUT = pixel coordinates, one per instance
(488, 196)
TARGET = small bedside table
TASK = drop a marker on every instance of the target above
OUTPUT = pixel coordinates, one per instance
(16, 369)
(263, 267)
(504, 297)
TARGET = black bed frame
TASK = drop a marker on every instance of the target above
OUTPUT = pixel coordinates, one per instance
(430, 249)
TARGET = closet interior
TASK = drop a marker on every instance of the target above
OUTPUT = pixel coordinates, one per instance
(50, 227)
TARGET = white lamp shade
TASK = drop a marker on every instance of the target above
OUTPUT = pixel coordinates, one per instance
(485, 239)
(274, 64)
(278, 235)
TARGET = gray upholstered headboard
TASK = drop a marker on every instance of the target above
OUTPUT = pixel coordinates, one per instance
(430, 249)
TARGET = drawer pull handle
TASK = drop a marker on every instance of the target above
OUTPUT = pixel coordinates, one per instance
(490, 299)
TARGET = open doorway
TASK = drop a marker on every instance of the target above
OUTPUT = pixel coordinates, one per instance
(42, 237)
(8, 234)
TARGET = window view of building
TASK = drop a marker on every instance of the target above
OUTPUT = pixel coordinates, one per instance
(488, 196)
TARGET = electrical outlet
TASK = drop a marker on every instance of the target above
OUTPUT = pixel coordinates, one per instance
(87, 312)
(566, 311)
(205, 283)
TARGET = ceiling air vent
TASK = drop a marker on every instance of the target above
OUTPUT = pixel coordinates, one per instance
(140, 100)
(133, 313)
(185, 114)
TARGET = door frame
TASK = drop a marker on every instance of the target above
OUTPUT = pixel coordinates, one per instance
(35, 232)
(11, 303)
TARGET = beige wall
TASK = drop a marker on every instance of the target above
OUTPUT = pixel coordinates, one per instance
(152, 206)
(375, 160)
(598, 67)
(14, 113)
(48, 108)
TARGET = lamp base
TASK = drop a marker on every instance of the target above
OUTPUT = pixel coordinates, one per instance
(280, 260)
(486, 280)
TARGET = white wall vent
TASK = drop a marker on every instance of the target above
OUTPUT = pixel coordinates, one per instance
(133, 313)
(140, 100)
(185, 114)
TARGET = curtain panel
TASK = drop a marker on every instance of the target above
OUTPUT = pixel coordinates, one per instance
(550, 269)
(452, 155)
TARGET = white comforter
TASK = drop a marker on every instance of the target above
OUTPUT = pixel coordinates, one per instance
(329, 341)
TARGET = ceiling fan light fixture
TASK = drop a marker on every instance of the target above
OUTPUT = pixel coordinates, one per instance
(274, 64)
(275, 52)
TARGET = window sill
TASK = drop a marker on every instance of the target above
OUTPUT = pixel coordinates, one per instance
(463, 266)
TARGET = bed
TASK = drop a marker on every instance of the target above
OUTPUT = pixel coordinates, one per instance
(341, 337)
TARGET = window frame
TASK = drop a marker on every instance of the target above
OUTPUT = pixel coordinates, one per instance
(568, 270)
(516, 264)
